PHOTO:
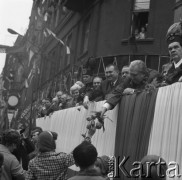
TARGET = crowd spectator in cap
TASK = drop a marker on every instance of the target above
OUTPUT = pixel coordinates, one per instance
(153, 172)
(138, 80)
(108, 85)
(174, 41)
(87, 75)
(87, 80)
(11, 167)
(85, 156)
(125, 72)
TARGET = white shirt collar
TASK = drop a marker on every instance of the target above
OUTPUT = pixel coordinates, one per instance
(176, 65)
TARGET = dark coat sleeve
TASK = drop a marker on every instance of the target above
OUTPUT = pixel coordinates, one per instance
(116, 94)
(174, 74)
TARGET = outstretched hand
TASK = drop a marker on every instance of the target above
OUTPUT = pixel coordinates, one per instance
(103, 112)
(91, 131)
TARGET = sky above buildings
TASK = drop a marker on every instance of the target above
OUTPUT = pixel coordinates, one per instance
(14, 14)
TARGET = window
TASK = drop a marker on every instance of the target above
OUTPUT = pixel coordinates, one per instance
(85, 35)
(140, 18)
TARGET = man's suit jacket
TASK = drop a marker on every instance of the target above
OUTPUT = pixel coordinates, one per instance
(103, 92)
(107, 87)
(173, 74)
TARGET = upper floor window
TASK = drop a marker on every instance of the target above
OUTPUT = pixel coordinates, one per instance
(140, 18)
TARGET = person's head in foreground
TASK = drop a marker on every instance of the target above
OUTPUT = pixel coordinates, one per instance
(11, 139)
(46, 141)
(85, 155)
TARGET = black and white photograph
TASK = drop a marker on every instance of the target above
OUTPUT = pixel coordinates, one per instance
(90, 89)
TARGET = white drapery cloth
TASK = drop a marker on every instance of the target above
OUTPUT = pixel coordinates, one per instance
(71, 123)
(166, 133)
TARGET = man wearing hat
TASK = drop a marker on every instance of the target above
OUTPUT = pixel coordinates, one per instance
(87, 76)
(174, 41)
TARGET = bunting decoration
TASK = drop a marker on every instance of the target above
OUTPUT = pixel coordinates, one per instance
(31, 53)
(48, 32)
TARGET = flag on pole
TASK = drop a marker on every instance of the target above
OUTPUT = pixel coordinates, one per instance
(39, 12)
(26, 83)
(50, 32)
(61, 42)
(31, 53)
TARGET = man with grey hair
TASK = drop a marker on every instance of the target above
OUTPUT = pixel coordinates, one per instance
(137, 80)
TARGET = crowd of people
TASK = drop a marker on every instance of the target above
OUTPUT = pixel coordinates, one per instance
(131, 79)
(37, 158)
(34, 157)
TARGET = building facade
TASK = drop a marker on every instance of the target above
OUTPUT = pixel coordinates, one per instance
(64, 36)
(103, 30)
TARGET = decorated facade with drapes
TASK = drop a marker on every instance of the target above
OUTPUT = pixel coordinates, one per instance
(62, 36)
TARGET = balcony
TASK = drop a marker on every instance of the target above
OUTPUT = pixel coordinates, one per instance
(77, 5)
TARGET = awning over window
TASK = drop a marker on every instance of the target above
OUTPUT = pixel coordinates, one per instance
(142, 4)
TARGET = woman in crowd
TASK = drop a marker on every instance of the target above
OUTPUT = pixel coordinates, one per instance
(74, 91)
